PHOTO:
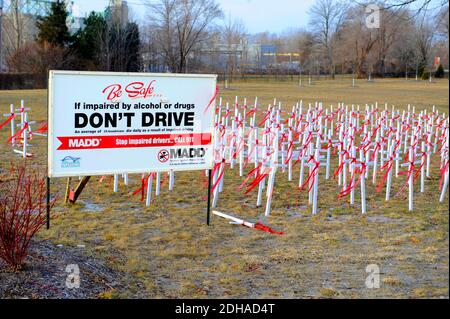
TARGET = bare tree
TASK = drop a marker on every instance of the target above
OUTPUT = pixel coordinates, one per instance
(393, 25)
(358, 39)
(150, 52)
(326, 20)
(301, 42)
(17, 29)
(442, 25)
(34, 58)
(419, 6)
(424, 35)
(233, 33)
(181, 25)
(403, 50)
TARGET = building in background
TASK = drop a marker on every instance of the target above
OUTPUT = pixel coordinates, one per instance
(118, 12)
(74, 21)
(18, 21)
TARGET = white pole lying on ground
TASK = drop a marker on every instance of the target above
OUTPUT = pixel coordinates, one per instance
(234, 219)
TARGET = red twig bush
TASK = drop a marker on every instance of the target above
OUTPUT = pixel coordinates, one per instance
(23, 212)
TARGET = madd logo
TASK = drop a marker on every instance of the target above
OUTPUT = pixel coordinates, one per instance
(70, 161)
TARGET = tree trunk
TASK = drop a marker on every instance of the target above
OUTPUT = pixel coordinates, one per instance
(359, 69)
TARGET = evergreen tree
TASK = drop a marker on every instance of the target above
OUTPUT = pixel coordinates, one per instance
(53, 28)
(124, 47)
(107, 46)
(132, 45)
(439, 72)
(88, 42)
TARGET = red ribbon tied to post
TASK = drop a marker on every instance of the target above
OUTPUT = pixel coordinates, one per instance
(443, 172)
(9, 119)
(311, 175)
(18, 134)
(354, 182)
(43, 128)
(144, 182)
(213, 98)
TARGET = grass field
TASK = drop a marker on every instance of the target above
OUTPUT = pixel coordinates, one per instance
(167, 251)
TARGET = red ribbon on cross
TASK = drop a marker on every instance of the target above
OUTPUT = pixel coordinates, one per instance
(9, 119)
(443, 172)
(216, 167)
(387, 166)
(43, 128)
(213, 98)
(18, 134)
(312, 174)
(259, 178)
(354, 182)
(144, 183)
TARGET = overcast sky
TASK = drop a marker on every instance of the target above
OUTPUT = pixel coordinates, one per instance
(258, 15)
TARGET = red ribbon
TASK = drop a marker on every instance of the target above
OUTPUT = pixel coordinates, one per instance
(267, 229)
(443, 171)
(409, 173)
(388, 165)
(216, 167)
(18, 133)
(259, 178)
(353, 183)
(265, 118)
(144, 182)
(239, 148)
(289, 152)
(213, 98)
(377, 146)
(251, 112)
(249, 175)
(43, 128)
(312, 174)
(341, 166)
(9, 119)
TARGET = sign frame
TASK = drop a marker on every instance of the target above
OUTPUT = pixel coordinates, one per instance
(51, 118)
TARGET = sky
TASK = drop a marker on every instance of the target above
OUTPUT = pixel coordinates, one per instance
(268, 15)
(258, 15)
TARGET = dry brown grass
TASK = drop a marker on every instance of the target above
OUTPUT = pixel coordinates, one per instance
(168, 251)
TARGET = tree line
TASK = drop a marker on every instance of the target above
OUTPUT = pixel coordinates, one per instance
(194, 36)
(103, 44)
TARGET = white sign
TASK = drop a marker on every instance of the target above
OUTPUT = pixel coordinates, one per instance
(110, 123)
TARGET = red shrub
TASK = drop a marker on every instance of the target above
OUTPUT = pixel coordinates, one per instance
(23, 212)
